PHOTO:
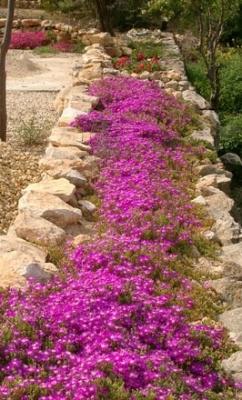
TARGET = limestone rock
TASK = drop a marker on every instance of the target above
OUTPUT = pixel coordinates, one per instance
(64, 153)
(89, 73)
(28, 23)
(75, 177)
(64, 96)
(49, 207)
(233, 253)
(111, 71)
(204, 182)
(211, 169)
(227, 230)
(19, 260)
(38, 272)
(72, 175)
(173, 75)
(220, 268)
(200, 200)
(212, 117)
(102, 38)
(219, 206)
(67, 137)
(61, 165)
(87, 208)
(219, 203)
(91, 171)
(196, 99)
(229, 289)
(38, 230)
(69, 115)
(80, 239)
(204, 135)
(233, 365)
(96, 54)
(61, 188)
(232, 320)
(224, 183)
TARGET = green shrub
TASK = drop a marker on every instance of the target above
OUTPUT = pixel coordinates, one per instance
(231, 82)
(231, 134)
(31, 132)
(197, 75)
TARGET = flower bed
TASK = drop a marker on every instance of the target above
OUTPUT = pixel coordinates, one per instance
(117, 324)
(28, 40)
(145, 56)
(43, 42)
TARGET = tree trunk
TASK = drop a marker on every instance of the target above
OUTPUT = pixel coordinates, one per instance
(3, 52)
(213, 75)
(3, 107)
(104, 16)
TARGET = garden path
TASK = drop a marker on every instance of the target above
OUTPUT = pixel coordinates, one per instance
(31, 72)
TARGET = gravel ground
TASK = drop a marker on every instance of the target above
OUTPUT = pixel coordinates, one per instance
(18, 162)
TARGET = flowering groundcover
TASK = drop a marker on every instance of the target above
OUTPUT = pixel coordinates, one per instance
(28, 39)
(116, 323)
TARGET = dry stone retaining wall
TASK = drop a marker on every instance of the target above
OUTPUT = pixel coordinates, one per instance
(23, 3)
(56, 208)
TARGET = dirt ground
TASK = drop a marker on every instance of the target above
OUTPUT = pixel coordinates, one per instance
(29, 71)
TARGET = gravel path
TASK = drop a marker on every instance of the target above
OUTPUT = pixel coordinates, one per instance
(19, 163)
(33, 83)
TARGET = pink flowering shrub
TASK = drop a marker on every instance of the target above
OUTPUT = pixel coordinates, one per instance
(28, 40)
(116, 326)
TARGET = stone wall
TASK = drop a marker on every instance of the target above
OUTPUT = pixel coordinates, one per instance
(57, 209)
(23, 4)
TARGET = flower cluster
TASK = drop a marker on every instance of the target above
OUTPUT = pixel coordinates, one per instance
(115, 324)
(146, 58)
(28, 40)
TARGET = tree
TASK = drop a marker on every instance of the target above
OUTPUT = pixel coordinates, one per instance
(3, 53)
(208, 19)
(101, 8)
(212, 16)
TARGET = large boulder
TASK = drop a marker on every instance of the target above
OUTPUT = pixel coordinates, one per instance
(38, 230)
(232, 162)
(61, 188)
(49, 207)
(197, 100)
(233, 322)
(20, 260)
(219, 207)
